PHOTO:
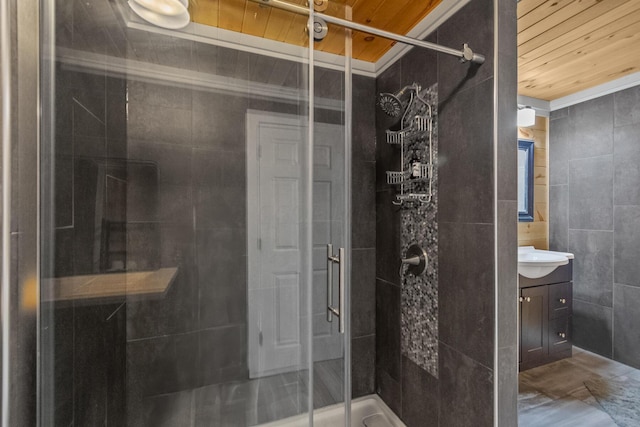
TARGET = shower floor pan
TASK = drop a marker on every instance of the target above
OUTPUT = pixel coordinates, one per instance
(367, 411)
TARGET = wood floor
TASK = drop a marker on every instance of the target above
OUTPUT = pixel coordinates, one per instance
(555, 394)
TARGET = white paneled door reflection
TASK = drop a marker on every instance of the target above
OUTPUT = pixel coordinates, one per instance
(277, 295)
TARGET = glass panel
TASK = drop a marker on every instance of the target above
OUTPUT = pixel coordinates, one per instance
(331, 217)
(177, 284)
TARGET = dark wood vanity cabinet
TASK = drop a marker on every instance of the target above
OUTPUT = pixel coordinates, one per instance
(545, 323)
(534, 324)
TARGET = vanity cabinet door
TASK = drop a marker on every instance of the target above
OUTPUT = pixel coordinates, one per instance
(559, 335)
(560, 300)
(534, 325)
(545, 324)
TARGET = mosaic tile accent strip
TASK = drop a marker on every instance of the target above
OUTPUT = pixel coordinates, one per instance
(419, 321)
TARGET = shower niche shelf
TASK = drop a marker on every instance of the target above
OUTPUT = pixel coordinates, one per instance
(415, 138)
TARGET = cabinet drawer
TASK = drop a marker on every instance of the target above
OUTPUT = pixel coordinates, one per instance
(560, 300)
(559, 334)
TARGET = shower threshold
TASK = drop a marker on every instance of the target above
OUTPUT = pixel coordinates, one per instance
(367, 411)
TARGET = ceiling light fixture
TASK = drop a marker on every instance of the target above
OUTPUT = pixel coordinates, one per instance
(171, 14)
(526, 117)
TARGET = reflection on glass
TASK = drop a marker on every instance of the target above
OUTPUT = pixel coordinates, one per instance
(113, 232)
(153, 163)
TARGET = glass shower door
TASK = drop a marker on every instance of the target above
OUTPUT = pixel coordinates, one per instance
(195, 182)
(332, 216)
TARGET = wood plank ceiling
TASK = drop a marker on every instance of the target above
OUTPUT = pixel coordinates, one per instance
(245, 16)
(565, 46)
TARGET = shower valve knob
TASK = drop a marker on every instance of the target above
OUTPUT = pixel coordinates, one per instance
(416, 258)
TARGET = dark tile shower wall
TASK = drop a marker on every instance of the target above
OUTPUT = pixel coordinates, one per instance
(88, 340)
(463, 389)
(196, 334)
(595, 214)
(363, 290)
(209, 322)
(83, 345)
(202, 224)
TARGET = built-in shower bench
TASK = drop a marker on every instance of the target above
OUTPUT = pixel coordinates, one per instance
(109, 287)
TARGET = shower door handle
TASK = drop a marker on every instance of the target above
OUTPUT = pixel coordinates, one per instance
(331, 310)
(330, 261)
(341, 282)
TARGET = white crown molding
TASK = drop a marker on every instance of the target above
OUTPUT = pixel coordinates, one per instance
(543, 108)
(596, 92)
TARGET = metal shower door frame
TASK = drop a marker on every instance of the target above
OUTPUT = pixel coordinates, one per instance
(20, 119)
(345, 305)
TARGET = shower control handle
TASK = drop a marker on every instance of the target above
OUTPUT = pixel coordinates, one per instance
(331, 310)
(416, 258)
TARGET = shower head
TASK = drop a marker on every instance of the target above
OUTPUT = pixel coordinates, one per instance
(390, 104)
(394, 103)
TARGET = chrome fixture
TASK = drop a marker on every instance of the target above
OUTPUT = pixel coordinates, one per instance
(320, 29)
(416, 126)
(390, 104)
(394, 103)
(465, 55)
(320, 5)
(331, 310)
(416, 259)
